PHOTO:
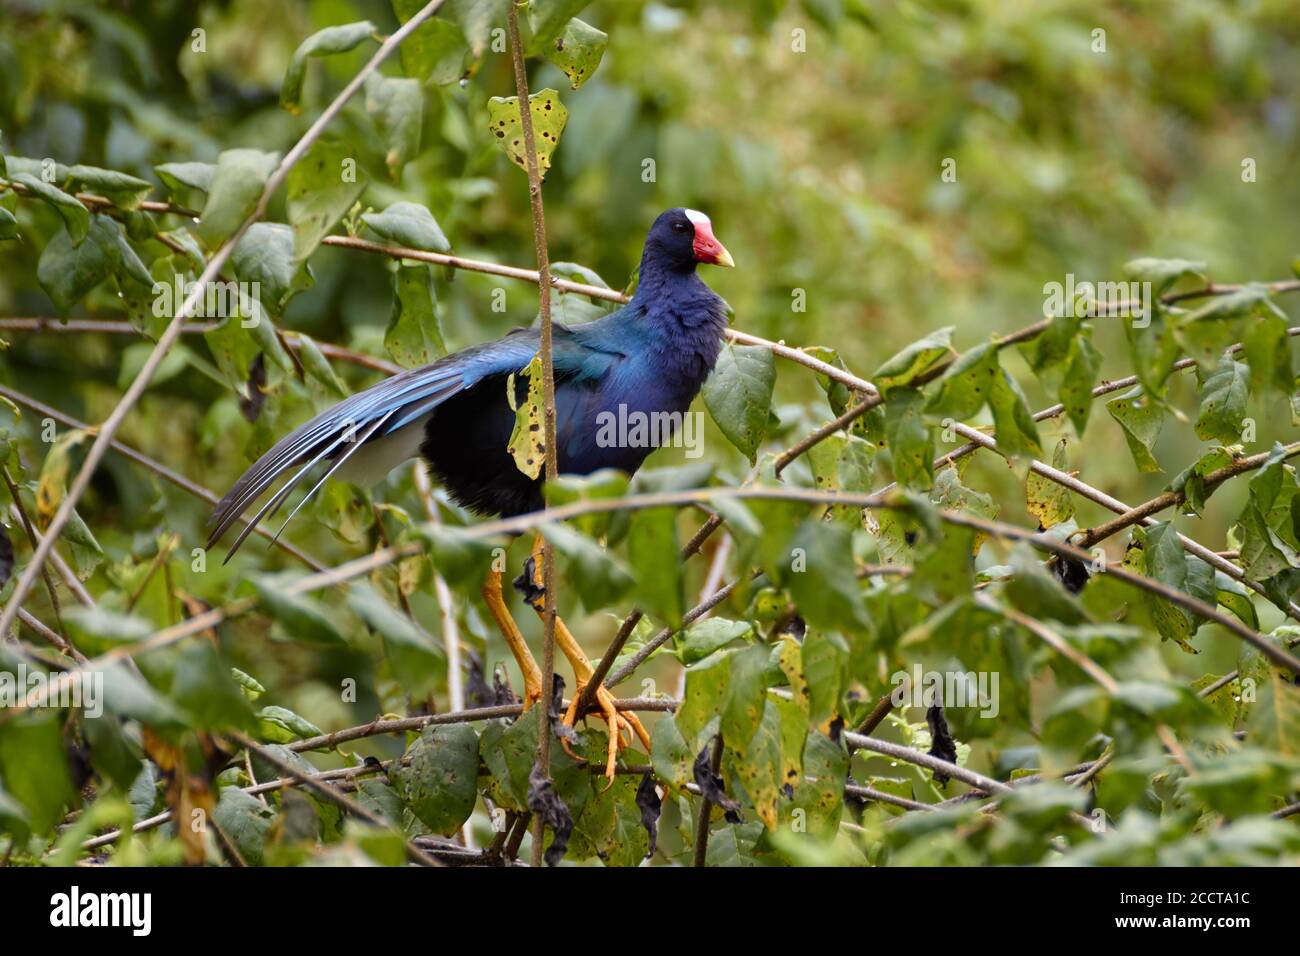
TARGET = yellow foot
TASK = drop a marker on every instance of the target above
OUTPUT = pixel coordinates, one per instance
(620, 724)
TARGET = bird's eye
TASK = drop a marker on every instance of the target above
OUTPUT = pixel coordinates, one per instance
(679, 227)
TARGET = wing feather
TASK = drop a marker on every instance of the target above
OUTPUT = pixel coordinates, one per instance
(378, 411)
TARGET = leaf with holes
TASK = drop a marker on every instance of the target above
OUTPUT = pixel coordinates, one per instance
(549, 118)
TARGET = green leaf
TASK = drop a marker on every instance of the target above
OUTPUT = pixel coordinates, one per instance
(742, 707)
(823, 583)
(819, 792)
(1268, 543)
(477, 19)
(908, 439)
(704, 637)
(652, 550)
(738, 394)
(825, 669)
(237, 185)
(706, 689)
(264, 255)
(1141, 419)
(1237, 598)
(414, 334)
(603, 484)
(396, 105)
(1154, 350)
(280, 725)
(34, 768)
(178, 176)
(68, 272)
(234, 348)
(301, 617)
(670, 755)
(577, 51)
(75, 216)
(125, 191)
(610, 824)
(1166, 561)
(549, 118)
(1191, 480)
(1267, 348)
(440, 783)
(322, 187)
(460, 559)
(546, 18)
(967, 383)
(8, 225)
(1082, 364)
(416, 661)
(1163, 273)
(202, 685)
(604, 578)
(338, 39)
(317, 366)
(1047, 501)
(409, 225)
(1274, 720)
(436, 51)
(1016, 430)
(1223, 402)
(903, 368)
(758, 764)
(246, 821)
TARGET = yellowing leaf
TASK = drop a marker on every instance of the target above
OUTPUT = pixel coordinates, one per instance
(54, 475)
(527, 442)
(549, 117)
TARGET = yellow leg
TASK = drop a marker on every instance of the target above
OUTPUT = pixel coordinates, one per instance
(496, 605)
(619, 723)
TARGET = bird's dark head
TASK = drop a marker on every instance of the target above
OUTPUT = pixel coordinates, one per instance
(682, 238)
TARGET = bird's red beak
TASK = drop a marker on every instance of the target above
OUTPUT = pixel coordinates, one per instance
(708, 249)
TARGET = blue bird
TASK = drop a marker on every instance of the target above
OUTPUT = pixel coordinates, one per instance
(646, 360)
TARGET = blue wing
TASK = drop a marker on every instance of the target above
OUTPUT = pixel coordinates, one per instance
(379, 411)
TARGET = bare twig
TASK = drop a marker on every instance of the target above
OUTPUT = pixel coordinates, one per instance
(331, 794)
(552, 471)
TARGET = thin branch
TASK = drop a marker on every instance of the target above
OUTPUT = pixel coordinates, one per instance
(1169, 499)
(921, 759)
(331, 794)
(113, 327)
(108, 428)
(519, 523)
(62, 642)
(442, 594)
(552, 470)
